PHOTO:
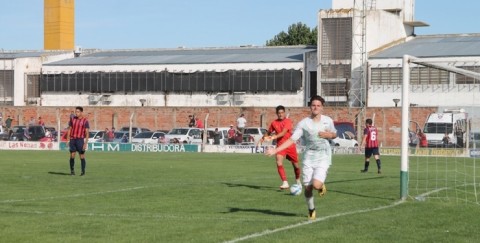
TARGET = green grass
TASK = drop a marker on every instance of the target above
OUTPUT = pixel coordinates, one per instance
(198, 197)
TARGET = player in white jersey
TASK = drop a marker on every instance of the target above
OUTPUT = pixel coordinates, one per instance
(315, 131)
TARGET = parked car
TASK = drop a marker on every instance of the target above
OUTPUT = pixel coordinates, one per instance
(148, 137)
(135, 130)
(96, 136)
(121, 137)
(345, 139)
(251, 135)
(35, 132)
(346, 135)
(184, 135)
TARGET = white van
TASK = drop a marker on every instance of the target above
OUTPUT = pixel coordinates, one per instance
(452, 123)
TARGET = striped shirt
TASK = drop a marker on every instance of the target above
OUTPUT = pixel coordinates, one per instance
(371, 134)
(78, 127)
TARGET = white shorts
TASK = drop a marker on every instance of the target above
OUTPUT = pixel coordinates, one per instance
(318, 172)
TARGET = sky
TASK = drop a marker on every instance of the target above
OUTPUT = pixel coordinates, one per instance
(132, 24)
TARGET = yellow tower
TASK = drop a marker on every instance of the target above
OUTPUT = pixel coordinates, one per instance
(58, 32)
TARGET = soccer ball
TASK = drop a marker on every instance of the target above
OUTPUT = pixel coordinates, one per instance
(295, 189)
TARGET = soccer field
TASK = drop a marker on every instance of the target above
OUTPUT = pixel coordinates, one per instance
(200, 197)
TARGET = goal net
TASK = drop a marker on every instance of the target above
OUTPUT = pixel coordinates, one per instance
(441, 150)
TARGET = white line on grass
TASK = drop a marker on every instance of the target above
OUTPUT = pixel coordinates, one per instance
(76, 195)
(288, 227)
(267, 232)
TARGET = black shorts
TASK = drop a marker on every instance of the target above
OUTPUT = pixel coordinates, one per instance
(76, 145)
(370, 151)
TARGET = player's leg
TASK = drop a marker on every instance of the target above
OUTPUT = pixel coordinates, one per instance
(319, 177)
(307, 175)
(368, 154)
(73, 151)
(293, 157)
(376, 154)
(82, 156)
(281, 170)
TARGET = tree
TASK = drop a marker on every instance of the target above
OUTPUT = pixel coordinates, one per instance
(298, 34)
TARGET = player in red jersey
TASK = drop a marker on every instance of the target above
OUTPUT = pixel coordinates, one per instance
(370, 142)
(281, 129)
(77, 139)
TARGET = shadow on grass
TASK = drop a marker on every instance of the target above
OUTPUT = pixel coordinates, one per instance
(361, 179)
(257, 187)
(263, 211)
(58, 173)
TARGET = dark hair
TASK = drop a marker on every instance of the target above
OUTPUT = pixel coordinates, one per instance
(79, 108)
(280, 108)
(369, 121)
(317, 97)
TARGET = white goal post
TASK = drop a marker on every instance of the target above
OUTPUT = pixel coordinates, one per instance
(437, 63)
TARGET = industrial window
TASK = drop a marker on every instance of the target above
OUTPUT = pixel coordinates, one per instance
(462, 79)
(428, 75)
(336, 71)
(386, 76)
(334, 89)
(33, 86)
(6, 86)
(207, 81)
(336, 40)
(418, 76)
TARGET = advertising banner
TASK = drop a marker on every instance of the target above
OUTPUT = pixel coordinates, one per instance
(139, 147)
(26, 145)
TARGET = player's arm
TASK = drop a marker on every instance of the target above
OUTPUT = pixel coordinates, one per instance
(280, 134)
(284, 145)
(67, 135)
(364, 140)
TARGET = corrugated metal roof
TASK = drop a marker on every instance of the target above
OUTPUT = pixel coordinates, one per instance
(24, 54)
(435, 46)
(191, 56)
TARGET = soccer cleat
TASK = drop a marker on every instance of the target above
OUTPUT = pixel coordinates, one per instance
(379, 171)
(312, 214)
(364, 171)
(284, 185)
(322, 191)
(72, 173)
(82, 174)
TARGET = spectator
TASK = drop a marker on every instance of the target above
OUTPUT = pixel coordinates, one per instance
(26, 134)
(8, 123)
(239, 138)
(191, 121)
(231, 135)
(111, 135)
(32, 121)
(422, 139)
(216, 136)
(241, 123)
(124, 138)
(199, 123)
(446, 140)
(40, 121)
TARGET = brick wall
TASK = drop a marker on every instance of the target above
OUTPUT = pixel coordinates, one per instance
(388, 120)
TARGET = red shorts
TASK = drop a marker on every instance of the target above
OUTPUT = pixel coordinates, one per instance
(290, 153)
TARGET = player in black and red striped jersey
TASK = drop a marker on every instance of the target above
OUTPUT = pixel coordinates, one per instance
(370, 142)
(77, 139)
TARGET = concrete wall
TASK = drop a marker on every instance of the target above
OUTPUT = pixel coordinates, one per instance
(388, 120)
